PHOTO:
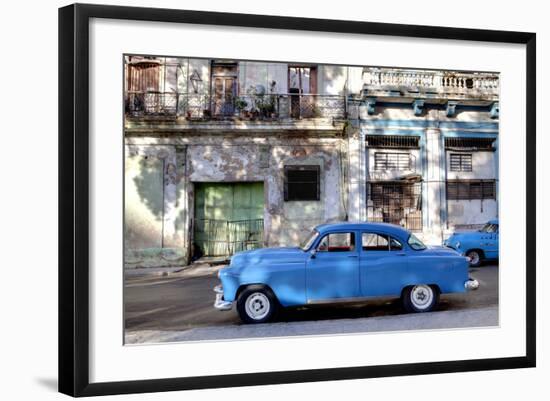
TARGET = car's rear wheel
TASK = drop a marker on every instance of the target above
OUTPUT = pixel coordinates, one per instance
(256, 304)
(420, 298)
(475, 257)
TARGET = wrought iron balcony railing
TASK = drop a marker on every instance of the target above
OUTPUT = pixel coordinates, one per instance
(201, 107)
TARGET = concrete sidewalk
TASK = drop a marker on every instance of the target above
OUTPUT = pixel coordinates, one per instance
(193, 270)
(482, 317)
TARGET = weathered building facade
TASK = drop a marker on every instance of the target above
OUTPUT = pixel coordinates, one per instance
(225, 155)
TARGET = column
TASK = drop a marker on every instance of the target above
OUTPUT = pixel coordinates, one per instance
(357, 175)
(434, 201)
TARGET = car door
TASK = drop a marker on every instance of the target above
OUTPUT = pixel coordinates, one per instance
(383, 265)
(332, 271)
(491, 242)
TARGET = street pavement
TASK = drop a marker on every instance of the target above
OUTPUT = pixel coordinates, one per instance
(177, 306)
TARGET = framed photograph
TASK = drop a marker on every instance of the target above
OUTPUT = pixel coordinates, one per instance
(253, 199)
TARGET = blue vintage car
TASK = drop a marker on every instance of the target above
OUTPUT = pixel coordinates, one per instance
(478, 245)
(338, 263)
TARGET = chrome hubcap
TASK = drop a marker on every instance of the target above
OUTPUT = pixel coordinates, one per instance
(474, 258)
(422, 296)
(257, 306)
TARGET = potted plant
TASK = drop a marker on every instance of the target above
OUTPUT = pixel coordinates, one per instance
(240, 106)
(315, 111)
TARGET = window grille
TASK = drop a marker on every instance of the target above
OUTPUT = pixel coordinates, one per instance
(461, 162)
(469, 143)
(471, 189)
(392, 141)
(396, 203)
(393, 161)
(302, 183)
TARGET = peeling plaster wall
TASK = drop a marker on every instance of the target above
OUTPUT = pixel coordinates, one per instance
(143, 210)
(296, 218)
(473, 212)
(285, 223)
(192, 159)
(154, 218)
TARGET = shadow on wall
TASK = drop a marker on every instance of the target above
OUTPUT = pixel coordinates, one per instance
(149, 184)
(333, 80)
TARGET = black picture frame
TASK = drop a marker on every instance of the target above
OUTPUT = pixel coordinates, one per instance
(74, 198)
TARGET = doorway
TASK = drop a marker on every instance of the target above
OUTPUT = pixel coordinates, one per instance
(224, 89)
(228, 217)
(302, 86)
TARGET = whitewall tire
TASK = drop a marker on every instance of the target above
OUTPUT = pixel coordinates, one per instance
(475, 258)
(420, 298)
(256, 304)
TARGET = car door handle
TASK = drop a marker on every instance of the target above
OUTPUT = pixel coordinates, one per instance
(402, 254)
(352, 256)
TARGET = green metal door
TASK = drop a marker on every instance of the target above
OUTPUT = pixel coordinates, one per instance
(228, 217)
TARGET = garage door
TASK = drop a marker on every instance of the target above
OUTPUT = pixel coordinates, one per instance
(228, 217)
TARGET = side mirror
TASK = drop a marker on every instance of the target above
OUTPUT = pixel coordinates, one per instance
(313, 252)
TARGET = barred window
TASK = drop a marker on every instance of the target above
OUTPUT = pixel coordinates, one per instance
(392, 141)
(471, 189)
(461, 162)
(469, 143)
(396, 203)
(395, 195)
(302, 183)
(392, 161)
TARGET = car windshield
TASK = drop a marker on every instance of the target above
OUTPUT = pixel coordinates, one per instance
(415, 243)
(308, 241)
(489, 228)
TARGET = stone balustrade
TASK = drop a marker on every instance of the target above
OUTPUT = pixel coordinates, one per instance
(464, 84)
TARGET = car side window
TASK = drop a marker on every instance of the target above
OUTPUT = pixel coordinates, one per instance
(337, 242)
(379, 242)
(374, 242)
(490, 228)
(395, 245)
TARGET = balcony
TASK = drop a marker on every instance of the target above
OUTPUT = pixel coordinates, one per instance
(436, 85)
(197, 107)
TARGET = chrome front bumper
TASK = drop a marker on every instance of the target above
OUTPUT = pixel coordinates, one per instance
(471, 284)
(220, 304)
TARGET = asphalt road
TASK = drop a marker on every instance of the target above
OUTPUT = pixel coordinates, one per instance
(182, 303)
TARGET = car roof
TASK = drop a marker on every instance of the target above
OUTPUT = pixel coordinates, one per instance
(385, 228)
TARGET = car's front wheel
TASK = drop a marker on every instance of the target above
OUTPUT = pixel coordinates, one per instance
(475, 257)
(256, 304)
(420, 298)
